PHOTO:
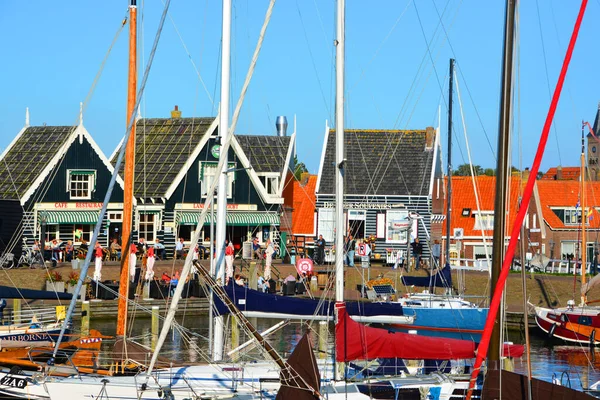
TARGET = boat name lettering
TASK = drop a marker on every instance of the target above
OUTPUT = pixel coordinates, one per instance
(363, 206)
(13, 381)
(28, 337)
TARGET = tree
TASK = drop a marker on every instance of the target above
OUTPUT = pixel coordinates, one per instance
(299, 168)
(465, 170)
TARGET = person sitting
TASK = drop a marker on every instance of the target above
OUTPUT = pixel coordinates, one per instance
(159, 250)
(290, 278)
(56, 250)
(262, 284)
(239, 280)
(173, 283)
(179, 247)
(69, 249)
(165, 278)
(115, 250)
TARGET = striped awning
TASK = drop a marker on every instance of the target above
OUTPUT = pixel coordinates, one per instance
(69, 217)
(437, 217)
(233, 218)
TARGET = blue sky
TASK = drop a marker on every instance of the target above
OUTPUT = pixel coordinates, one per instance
(53, 50)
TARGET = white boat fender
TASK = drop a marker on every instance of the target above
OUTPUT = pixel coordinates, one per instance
(551, 331)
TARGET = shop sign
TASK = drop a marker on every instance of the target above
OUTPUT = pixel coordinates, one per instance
(200, 206)
(361, 206)
(77, 205)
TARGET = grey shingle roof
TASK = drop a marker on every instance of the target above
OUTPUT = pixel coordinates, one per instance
(163, 145)
(265, 153)
(380, 162)
(28, 157)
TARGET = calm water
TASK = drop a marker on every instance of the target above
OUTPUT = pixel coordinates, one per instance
(548, 358)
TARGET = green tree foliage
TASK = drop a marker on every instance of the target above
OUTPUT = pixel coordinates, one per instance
(465, 170)
(299, 168)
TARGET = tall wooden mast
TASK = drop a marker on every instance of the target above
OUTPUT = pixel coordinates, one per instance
(129, 172)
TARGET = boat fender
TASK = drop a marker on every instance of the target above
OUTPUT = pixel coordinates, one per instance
(551, 331)
(593, 338)
(564, 318)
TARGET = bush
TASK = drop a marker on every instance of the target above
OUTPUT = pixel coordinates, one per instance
(73, 278)
(54, 276)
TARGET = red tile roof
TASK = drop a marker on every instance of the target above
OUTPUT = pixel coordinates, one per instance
(463, 197)
(568, 173)
(303, 220)
(565, 194)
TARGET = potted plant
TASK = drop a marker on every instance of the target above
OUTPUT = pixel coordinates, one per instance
(54, 282)
(72, 282)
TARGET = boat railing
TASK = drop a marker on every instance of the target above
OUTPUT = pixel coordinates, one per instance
(27, 317)
(470, 264)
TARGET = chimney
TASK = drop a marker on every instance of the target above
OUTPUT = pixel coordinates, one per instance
(304, 178)
(559, 173)
(525, 175)
(176, 113)
(429, 138)
(281, 125)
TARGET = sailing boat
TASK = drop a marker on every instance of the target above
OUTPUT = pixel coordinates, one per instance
(575, 324)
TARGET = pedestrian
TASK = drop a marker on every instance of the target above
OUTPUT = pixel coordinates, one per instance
(417, 252)
(269, 252)
(150, 264)
(98, 264)
(229, 254)
(350, 248)
(256, 250)
(594, 269)
(436, 250)
(132, 262)
(320, 256)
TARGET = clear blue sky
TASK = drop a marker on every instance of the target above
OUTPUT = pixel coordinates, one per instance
(51, 51)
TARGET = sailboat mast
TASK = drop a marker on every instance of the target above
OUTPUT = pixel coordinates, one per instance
(449, 185)
(129, 172)
(583, 215)
(339, 162)
(223, 184)
(502, 171)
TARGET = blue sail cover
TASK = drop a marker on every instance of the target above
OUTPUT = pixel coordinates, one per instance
(441, 279)
(253, 300)
(9, 292)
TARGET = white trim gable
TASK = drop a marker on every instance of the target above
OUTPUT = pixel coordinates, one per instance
(190, 161)
(287, 164)
(116, 150)
(436, 149)
(318, 186)
(266, 198)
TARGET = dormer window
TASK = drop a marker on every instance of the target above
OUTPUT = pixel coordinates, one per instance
(81, 184)
(484, 220)
(270, 182)
(208, 173)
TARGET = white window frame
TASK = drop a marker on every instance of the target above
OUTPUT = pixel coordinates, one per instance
(326, 223)
(205, 182)
(380, 228)
(484, 221)
(357, 215)
(86, 232)
(270, 181)
(155, 221)
(91, 183)
(115, 216)
(397, 235)
(568, 244)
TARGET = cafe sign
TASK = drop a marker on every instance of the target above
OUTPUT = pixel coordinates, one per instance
(77, 205)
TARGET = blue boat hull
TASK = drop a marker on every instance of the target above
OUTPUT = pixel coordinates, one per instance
(466, 323)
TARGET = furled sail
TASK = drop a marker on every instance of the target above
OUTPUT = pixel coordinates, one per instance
(303, 364)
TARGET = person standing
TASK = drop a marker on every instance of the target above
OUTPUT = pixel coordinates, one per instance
(350, 247)
(436, 250)
(269, 260)
(320, 258)
(150, 264)
(98, 266)
(256, 250)
(229, 254)
(417, 252)
(132, 263)
(594, 268)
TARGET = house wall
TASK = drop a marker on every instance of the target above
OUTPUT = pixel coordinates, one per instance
(11, 214)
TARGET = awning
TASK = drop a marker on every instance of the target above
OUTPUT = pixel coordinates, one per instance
(69, 217)
(233, 218)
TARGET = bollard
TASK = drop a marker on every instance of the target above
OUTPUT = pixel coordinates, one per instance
(235, 337)
(85, 318)
(252, 278)
(147, 291)
(16, 311)
(323, 338)
(155, 326)
(314, 284)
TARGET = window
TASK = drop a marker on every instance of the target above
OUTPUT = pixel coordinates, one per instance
(479, 251)
(81, 184)
(572, 217)
(356, 222)
(568, 250)
(270, 182)
(147, 226)
(326, 223)
(381, 226)
(51, 232)
(115, 216)
(397, 226)
(484, 221)
(208, 174)
(81, 232)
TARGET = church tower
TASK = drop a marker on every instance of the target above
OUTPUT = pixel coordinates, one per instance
(593, 149)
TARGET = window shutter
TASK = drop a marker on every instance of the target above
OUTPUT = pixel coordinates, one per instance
(380, 226)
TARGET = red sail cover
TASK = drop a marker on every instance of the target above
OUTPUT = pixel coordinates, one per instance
(354, 341)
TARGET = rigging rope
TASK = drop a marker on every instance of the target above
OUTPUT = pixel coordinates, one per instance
(485, 339)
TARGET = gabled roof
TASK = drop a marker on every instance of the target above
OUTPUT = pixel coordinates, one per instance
(565, 194)
(463, 197)
(380, 162)
(163, 149)
(33, 154)
(568, 173)
(303, 220)
(265, 153)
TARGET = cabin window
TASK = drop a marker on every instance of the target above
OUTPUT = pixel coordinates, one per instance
(208, 174)
(147, 226)
(81, 184)
(584, 320)
(357, 221)
(484, 221)
(326, 223)
(397, 225)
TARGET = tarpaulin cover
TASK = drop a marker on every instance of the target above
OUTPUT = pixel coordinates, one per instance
(354, 341)
(9, 292)
(442, 279)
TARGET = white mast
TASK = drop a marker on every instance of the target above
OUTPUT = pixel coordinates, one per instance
(339, 162)
(223, 184)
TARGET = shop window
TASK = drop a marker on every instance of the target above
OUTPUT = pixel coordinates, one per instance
(81, 184)
(397, 224)
(82, 232)
(208, 174)
(147, 226)
(357, 222)
(326, 223)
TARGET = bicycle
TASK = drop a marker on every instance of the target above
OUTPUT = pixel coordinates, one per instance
(30, 259)
(7, 261)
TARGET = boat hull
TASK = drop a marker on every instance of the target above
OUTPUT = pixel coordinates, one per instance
(573, 325)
